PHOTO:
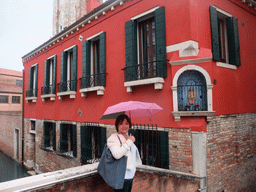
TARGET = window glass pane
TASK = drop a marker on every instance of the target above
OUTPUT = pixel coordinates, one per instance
(15, 99)
(19, 83)
(3, 99)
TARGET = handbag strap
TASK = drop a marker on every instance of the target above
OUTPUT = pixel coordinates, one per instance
(119, 140)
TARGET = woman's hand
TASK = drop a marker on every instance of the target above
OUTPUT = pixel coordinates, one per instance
(132, 138)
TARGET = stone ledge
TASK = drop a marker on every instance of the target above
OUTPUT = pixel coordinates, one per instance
(72, 94)
(100, 90)
(178, 114)
(167, 172)
(33, 99)
(157, 81)
(51, 96)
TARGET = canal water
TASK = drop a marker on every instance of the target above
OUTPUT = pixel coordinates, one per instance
(10, 169)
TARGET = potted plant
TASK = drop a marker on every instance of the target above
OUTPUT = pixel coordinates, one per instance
(196, 107)
(188, 107)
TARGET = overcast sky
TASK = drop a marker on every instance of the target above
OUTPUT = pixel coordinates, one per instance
(24, 26)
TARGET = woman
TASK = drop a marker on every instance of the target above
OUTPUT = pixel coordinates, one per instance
(127, 147)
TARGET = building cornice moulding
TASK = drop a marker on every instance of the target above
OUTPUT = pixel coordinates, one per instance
(87, 19)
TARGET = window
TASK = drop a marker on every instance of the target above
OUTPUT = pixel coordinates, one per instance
(68, 74)
(68, 140)
(32, 125)
(15, 99)
(94, 61)
(93, 140)
(225, 37)
(153, 146)
(49, 137)
(146, 46)
(33, 73)
(4, 99)
(49, 76)
(19, 83)
(192, 91)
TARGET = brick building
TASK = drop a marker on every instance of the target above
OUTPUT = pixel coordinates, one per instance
(194, 58)
(11, 113)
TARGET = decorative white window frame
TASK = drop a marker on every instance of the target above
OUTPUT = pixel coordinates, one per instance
(177, 114)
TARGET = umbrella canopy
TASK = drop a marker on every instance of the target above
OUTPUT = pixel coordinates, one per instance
(132, 109)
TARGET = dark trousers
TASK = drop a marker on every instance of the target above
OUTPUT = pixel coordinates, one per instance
(127, 186)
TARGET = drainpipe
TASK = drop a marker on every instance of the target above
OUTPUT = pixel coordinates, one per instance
(22, 129)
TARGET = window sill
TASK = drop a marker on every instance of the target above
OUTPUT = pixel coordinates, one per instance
(157, 81)
(72, 94)
(51, 96)
(178, 114)
(226, 65)
(67, 154)
(32, 99)
(100, 90)
(32, 132)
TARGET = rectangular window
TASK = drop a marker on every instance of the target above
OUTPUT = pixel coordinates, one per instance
(225, 37)
(32, 125)
(49, 76)
(94, 61)
(49, 137)
(4, 98)
(68, 141)
(153, 146)
(19, 83)
(33, 73)
(68, 70)
(145, 39)
(15, 99)
(93, 139)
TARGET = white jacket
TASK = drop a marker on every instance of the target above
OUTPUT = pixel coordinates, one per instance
(119, 151)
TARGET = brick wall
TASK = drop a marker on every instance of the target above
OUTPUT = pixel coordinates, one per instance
(9, 121)
(180, 150)
(232, 153)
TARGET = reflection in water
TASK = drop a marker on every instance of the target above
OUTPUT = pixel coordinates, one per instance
(10, 169)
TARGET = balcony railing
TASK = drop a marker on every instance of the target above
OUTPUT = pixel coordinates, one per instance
(143, 71)
(31, 93)
(92, 80)
(49, 89)
(199, 91)
(67, 86)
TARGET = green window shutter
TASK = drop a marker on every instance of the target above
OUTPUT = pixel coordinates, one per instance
(233, 41)
(30, 82)
(36, 79)
(54, 75)
(46, 76)
(161, 42)
(63, 71)
(54, 136)
(103, 138)
(163, 149)
(74, 140)
(86, 142)
(103, 59)
(46, 135)
(131, 50)
(74, 70)
(86, 64)
(63, 138)
(215, 35)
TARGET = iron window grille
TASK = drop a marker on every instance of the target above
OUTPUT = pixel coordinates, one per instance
(48, 140)
(49, 89)
(67, 86)
(93, 140)
(192, 82)
(31, 93)
(92, 80)
(16, 99)
(4, 99)
(153, 145)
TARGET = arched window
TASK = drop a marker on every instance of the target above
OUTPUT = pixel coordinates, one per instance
(192, 91)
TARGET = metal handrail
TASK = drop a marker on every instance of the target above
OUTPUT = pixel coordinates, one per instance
(48, 89)
(66, 86)
(31, 93)
(91, 80)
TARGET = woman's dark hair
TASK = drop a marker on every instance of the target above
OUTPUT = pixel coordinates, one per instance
(120, 120)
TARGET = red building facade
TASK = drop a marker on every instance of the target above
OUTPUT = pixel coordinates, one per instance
(193, 58)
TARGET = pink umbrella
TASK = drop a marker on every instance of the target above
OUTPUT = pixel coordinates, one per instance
(132, 109)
